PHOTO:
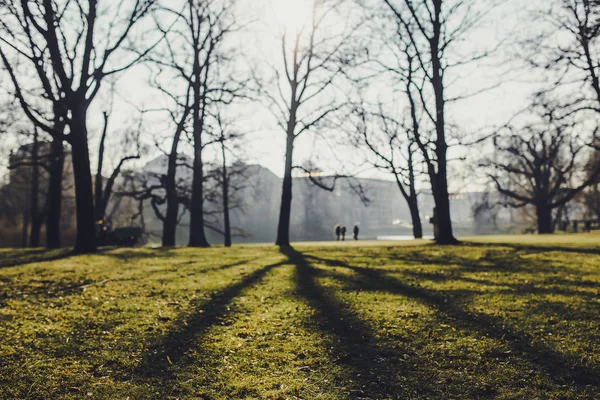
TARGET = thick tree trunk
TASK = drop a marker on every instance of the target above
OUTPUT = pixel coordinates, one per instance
(85, 241)
(55, 195)
(544, 219)
(283, 228)
(442, 198)
(442, 204)
(197, 231)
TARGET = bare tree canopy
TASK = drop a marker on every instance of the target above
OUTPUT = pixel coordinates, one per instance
(70, 47)
(540, 164)
(302, 91)
(421, 43)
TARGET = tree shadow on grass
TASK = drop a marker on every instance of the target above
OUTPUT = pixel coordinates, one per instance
(50, 288)
(564, 287)
(17, 257)
(561, 369)
(541, 248)
(374, 369)
(189, 328)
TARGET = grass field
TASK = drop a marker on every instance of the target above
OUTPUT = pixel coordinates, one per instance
(511, 317)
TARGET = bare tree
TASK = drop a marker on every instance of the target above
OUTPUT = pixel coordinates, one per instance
(540, 165)
(229, 177)
(46, 105)
(425, 34)
(567, 47)
(195, 48)
(27, 163)
(166, 189)
(303, 94)
(393, 147)
(73, 46)
(103, 191)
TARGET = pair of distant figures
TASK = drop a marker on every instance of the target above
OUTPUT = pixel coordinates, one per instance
(340, 231)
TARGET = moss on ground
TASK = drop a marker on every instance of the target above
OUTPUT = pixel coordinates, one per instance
(503, 318)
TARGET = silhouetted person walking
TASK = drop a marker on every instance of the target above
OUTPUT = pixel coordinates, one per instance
(338, 232)
(355, 231)
(343, 233)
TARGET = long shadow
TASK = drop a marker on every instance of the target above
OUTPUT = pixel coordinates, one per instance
(65, 287)
(15, 258)
(18, 257)
(561, 369)
(374, 369)
(190, 327)
(520, 289)
(541, 248)
(223, 267)
(492, 261)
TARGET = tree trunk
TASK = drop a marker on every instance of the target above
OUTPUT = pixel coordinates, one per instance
(225, 178)
(442, 204)
(442, 198)
(98, 193)
(85, 241)
(55, 194)
(416, 218)
(170, 220)
(413, 200)
(197, 232)
(544, 219)
(283, 229)
(36, 216)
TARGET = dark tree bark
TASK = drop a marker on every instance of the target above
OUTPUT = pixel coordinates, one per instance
(285, 211)
(197, 231)
(441, 194)
(85, 241)
(544, 218)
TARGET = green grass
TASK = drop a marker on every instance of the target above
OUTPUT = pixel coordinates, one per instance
(504, 317)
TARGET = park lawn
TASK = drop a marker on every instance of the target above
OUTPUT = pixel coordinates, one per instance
(497, 318)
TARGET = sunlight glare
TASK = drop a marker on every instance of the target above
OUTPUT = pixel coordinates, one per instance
(293, 15)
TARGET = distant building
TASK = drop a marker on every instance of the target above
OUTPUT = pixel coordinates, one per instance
(315, 211)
